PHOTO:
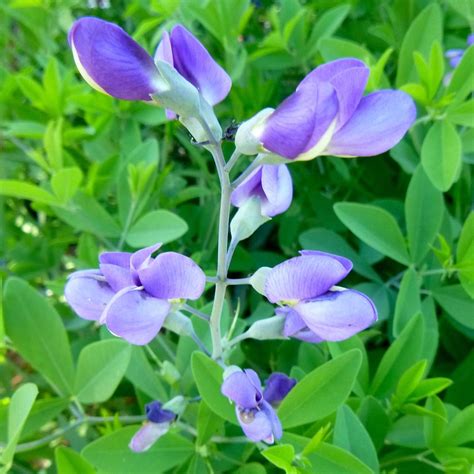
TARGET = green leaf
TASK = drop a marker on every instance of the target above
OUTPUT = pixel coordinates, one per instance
(332, 459)
(208, 377)
(410, 380)
(424, 209)
(423, 32)
(351, 435)
(462, 114)
(465, 255)
(18, 411)
(434, 426)
(100, 368)
(408, 301)
(375, 419)
(208, 424)
(53, 143)
(322, 391)
(22, 190)
(376, 227)
(281, 456)
(42, 412)
(457, 303)
(141, 374)
(462, 80)
(460, 429)
(441, 155)
(156, 226)
(335, 48)
(401, 355)
(111, 454)
(38, 334)
(65, 183)
(430, 387)
(70, 462)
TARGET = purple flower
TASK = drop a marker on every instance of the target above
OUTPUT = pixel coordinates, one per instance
(314, 309)
(159, 421)
(253, 406)
(113, 63)
(132, 293)
(454, 56)
(271, 184)
(328, 115)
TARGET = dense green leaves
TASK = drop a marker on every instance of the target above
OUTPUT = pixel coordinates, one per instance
(322, 391)
(36, 329)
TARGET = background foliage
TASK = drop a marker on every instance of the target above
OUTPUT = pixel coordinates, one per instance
(81, 172)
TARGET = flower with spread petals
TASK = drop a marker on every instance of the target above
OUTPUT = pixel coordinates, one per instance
(113, 63)
(159, 421)
(271, 185)
(132, 292)
(253, 406)
(314, 308)
(328, 115)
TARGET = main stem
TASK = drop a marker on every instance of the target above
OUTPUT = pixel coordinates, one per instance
(222, 242)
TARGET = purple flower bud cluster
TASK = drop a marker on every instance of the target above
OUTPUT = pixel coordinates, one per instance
(254, 406)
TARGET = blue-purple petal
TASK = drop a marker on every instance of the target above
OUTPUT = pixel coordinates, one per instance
(379, 123)
(243, 388)
(141, 259)
(277, 387)
(147, 435)
(349, 77)
(88, 294)
(136, 317)
(301, 120)
(157, 414)
(192, 60)
(278, 189)
(111, 61)
(304, 277)
(338, 315)
(173, 276)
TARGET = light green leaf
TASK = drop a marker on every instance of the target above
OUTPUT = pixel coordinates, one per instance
(441, 155)
(462, 114)
(408, 301)
(208, 377)
(460, 429)
(18, 411)
(401, 355)
(70, 462)
(208, 424)
(376, 227)
(38, 334)
(465, 255)
(22, 190)
(331, 459)
(424, 209)
(65, 183)
(423, 32)
(410, 380)
(156, 226)
(100, 368)
(457, 303)
(322, 391)
(351, 435)
(111, 454)
(462, 80)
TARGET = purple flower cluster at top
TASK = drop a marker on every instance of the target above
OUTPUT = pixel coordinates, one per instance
(254, 407)
(132, 292)
(315, 310)
(113, 63)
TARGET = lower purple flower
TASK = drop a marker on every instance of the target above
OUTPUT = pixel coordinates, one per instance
(314, 309)
(159, 421)
(253, 406)
(454, 56)
(132, 293)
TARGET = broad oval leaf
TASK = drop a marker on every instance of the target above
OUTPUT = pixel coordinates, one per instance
(156, 226)
(376, 227)
(100, 369)
(38, 334)
(322, 391)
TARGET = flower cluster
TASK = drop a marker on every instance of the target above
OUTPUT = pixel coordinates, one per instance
(132, 293)
(254, 407)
